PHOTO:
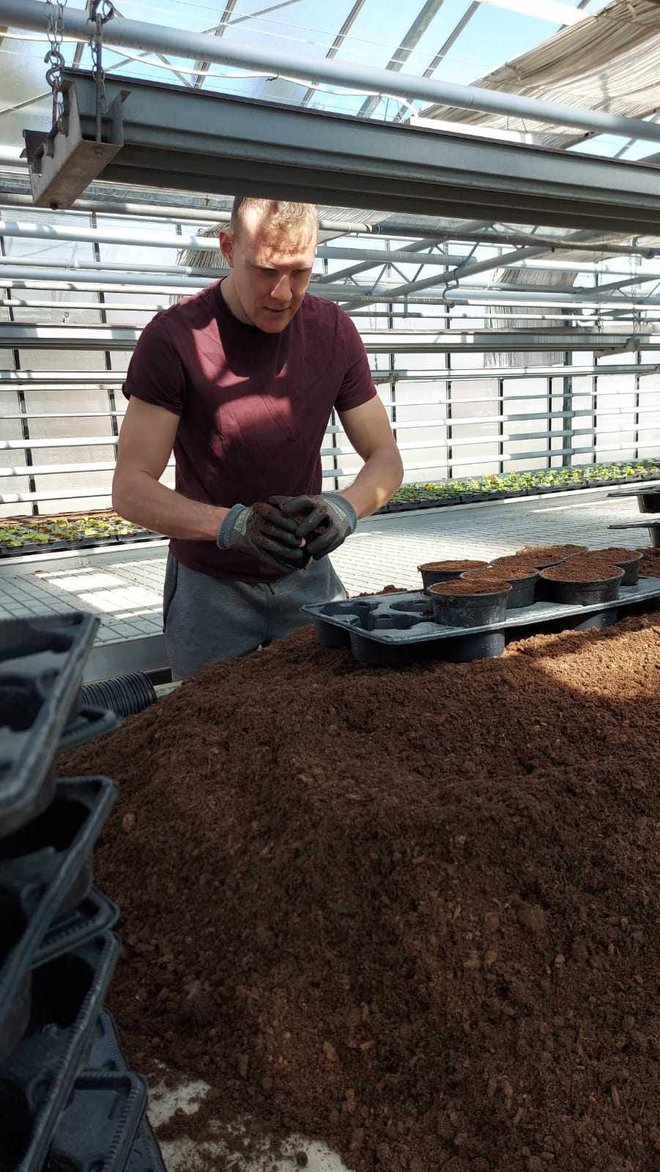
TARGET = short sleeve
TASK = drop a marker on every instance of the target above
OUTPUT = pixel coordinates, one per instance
(357, 385)
(155, 372)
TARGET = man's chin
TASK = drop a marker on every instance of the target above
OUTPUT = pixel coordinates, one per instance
(274, 323)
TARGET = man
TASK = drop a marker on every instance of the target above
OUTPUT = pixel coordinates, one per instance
(240, 381)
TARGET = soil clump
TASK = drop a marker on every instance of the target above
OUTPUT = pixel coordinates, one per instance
(649, 567)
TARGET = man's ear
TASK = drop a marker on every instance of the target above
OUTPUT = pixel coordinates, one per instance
(226, 238)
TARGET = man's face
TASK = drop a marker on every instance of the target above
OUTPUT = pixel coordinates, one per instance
(271, 271)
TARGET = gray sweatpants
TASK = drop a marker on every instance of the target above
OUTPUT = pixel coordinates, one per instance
(206, 619)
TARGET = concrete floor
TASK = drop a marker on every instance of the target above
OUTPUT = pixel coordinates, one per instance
(185, 1156)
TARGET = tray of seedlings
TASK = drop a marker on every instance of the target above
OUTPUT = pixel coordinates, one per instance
(41, 670)
(469, 610)
(36, 1079)
(45, 877)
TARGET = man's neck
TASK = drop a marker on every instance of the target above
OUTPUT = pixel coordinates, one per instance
(230, 298)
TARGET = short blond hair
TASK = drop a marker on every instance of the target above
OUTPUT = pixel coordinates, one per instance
(281, 214)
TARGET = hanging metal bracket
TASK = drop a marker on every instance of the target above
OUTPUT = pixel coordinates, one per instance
(62, 162)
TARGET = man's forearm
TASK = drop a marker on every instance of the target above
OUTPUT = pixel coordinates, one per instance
(376, 482)
(146, 502)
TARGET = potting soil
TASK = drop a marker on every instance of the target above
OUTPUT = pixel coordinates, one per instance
(649, 567)
(543, 552)
(410, 912)
(461, 587)
(582, 569)
(453, 564)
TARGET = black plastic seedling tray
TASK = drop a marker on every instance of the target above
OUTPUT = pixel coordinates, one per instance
(45, 872)
(37, 1078)
(106, 1053)
(397, 629)
(90, 724)
(107, 1056)
(41, 669)
(94, 915)
(97, 1130)
(145, 1154)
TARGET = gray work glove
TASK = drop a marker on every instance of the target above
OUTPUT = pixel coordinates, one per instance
(262, 532)
(325, 521)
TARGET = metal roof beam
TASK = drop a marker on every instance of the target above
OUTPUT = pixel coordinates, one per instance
(188, 139)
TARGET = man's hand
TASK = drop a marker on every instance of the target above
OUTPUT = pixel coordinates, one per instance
(324, 521)
(263, 532)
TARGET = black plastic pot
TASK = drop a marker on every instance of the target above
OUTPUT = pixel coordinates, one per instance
(470, 610)
(584, 593)
(98, 1128)
(485, 645)
(630, 567)
(124, 695)
(36, 1080)
(523, 590)
(432, 577)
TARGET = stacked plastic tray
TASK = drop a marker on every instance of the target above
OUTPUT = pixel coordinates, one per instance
(64, 1106)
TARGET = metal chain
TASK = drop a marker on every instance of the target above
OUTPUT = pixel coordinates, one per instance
(101, 11)
(54, 58)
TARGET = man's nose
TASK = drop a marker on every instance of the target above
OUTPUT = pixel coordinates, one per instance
(282, 290)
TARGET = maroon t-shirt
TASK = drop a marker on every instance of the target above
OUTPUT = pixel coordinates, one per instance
(253, 407)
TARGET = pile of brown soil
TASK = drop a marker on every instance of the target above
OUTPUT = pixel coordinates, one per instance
(410, 912)
(582, 569)
(489, 584)
(457, 564)
(544, 554)
(649, 567)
